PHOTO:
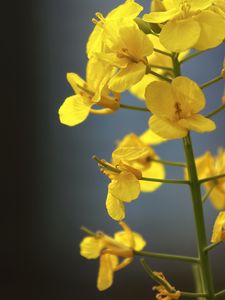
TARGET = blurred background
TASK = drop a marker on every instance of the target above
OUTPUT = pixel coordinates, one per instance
(51, 185)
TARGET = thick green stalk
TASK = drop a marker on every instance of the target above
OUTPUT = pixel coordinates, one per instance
(199, 220)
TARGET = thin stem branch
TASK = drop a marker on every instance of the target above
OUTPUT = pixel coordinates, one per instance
(88, 231)
(197, 53)
(167, 256)
(169, 163)
(211, 178)
(162, 52)
(172, 181)
(216, 111)
(212, 246)
(104, 164)
(160, 76)
(192, 295)
(134, 107)
(207, 194)
(210, 82)
(221, 293)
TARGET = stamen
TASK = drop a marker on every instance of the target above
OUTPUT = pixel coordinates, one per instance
(178, 109)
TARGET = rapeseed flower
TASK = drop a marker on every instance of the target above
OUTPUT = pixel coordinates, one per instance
(76, 108)
(132, 151)
(175, 111)
(188, 24)
(109, 249)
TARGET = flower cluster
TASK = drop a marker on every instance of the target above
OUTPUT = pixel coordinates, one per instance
(143, 55)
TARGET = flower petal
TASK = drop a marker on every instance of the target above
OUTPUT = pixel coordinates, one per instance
(75, 81)
(139, 88)
(94, 43)
(91, 247)
(188, 31)
(130, 153)
(218, 228)
(155, 170)
(125, 187)
(105, 273)
(151, 138)
(189, 95)
(198, 123)
(74, 110)
(161, 16)
(123, 238)
(115, 208)
(166, 128)
(125, 78)
(212, 30)
(217, 197)
(129, 9)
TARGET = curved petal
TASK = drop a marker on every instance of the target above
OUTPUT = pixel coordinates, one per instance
(212, 30)
(75, 81)
(91, 247)
(94, 43)
(105, 273)
(217, 198)
(151, 138)
(196, 4)
(161, 16)
(218, 227)
(156, 170)
(130, 152)
(115, 208)
(188, 31)
(123, 238)
(189, 95)
(129, 9)
(166, 128)
(125, 78)
(125, 187)
(198, 123)
(160, 104)
(74, 110)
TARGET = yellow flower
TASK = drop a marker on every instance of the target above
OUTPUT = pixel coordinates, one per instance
(76, 108)
(207, 166)
(148, 137)
(219, 228)
(188, 24)
(133, 152)
(109, 249)
(218, 7)
(124, 187)
(154, 59)
(127, 11)
(126, 47)
(175, 111)
(165, 294)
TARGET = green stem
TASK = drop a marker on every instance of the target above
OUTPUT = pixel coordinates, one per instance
(210, 82)
(197, 53)
(161, 67)
(199, 219)
(162, 52)
(212, 246)
(134, 107)
(172, 181)
(197, 279)
(169, 163)
(88, 231)
(167, 256)
(160, 76)
(211, 178)
(221, 293)
(216, 111)
(192, 295)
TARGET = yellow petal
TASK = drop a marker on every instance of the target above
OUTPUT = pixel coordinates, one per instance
(217, 197)
(75, 81)
(74, 110)
(94, 43)
(91, 247)
(129, 9)
(212, 30)
(105, 273)
(187, 30)
(151, 138)
(198, 123)
(156, 170)
(139, 88)
(218, 228)
(161, 17)
(166, 128)
(203, 165)
(130, 153)
(160, 104)
(125, 187)
(195, 4)
(125, 78)
(123, 238)
(188, 94)
(115, 208)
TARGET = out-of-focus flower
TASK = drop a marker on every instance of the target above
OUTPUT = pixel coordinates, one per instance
(219, 228)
